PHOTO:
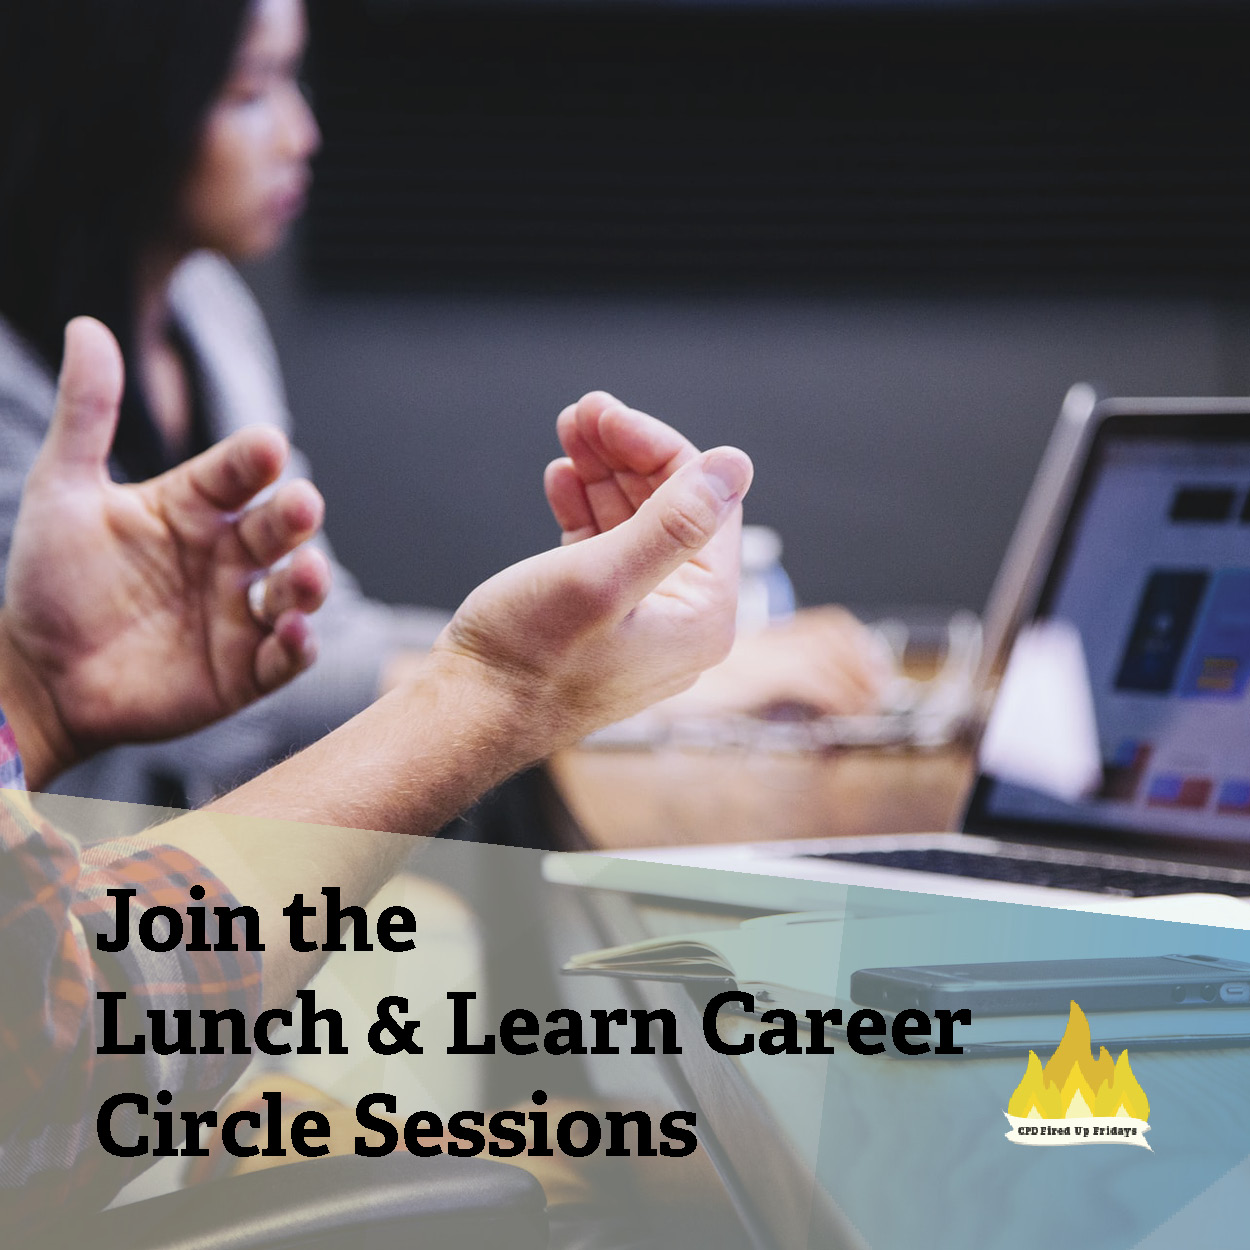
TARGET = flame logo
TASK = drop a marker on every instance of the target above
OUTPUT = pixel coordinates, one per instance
(1074, 1084)
(1095, 1099)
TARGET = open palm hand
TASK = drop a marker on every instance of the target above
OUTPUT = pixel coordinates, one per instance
(128, 604)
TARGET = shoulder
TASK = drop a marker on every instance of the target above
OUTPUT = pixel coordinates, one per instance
(226, 329)
(27, 386)
(27, 399)
(207, 287)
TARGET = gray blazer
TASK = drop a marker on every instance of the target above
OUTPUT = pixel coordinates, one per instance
(242, 385)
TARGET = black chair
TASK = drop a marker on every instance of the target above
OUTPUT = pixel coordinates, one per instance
(338, 1203)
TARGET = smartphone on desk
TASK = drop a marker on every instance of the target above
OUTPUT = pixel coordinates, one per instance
(1046, 986)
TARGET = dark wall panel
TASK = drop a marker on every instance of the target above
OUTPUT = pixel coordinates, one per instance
(779, 148)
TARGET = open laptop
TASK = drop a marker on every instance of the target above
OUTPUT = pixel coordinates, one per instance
(1135, 545)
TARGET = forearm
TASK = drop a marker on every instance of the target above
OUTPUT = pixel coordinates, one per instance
(406, 765)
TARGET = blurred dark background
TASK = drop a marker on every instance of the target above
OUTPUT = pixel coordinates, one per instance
(871, 243)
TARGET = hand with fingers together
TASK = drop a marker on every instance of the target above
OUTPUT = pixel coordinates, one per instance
(614, 459)
(641, 596)
(127, 612)
(823, 660)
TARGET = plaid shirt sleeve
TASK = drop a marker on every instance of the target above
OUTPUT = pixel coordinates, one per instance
(53, 902)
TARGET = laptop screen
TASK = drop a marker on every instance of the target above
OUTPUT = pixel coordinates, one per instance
(1151, 582)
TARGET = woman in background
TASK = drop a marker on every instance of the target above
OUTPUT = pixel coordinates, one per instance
(145, 145)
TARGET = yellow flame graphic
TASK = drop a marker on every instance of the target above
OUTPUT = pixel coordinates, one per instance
(1074, 1084)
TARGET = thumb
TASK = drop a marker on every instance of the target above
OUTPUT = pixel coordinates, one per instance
(675, 524)
(88, 399)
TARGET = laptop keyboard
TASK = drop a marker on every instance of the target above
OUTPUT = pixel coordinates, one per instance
(1096, 878)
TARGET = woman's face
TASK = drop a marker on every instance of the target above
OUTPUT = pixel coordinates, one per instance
(251, 174)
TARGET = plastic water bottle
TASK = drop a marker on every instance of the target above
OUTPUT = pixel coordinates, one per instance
(765, 593)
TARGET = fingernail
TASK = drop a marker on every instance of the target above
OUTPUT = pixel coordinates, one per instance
(727, 474)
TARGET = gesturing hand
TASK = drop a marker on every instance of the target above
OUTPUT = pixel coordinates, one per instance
(642, 596)
(615, 458)
(126, 611)
(823, 659)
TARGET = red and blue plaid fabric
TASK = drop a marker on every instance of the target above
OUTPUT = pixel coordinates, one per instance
(53, 902)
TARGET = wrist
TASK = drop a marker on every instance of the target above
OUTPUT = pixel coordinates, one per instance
(507, 714)
(46, 746)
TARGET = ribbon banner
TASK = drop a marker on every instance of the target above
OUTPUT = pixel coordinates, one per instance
(1090, 1130)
